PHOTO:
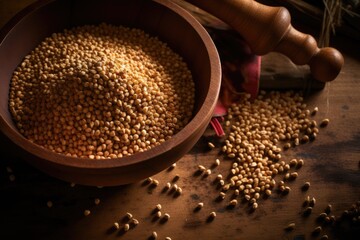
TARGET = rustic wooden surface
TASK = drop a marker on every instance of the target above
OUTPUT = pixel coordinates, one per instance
(331, 165)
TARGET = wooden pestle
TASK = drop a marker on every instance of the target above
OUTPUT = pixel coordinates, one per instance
(267, 29)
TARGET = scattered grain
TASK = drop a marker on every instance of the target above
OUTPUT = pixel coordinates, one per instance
(290, 227)
(158, 207)
(212, 215)
(134, 221)
(328, 208)
(97, 201)
(324, 237)
(166, 217)
(233, 202)
(87, 212)
(12, 177)
(49, 204)
(306, 186)
(128, 215)
(312, 202)
(155, 183)
(314, 111)
(324, 122)
(154, 235)
(211, 145)
(126, 227)
(116, 225)
(199, 206)
(201, 168)
(317, 230)
(207, 172)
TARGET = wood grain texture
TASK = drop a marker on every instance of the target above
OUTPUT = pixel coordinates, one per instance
(331, 165)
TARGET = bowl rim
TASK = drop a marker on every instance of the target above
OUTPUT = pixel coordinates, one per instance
(190, 128)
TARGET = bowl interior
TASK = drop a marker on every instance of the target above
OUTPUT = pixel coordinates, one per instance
(164, 19)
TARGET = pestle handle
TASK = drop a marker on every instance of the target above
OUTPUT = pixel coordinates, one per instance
(267, 29)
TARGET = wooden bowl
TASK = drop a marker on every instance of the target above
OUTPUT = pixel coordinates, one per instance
(170, 23)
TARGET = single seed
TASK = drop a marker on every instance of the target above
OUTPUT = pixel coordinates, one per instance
(268, 192)
(287, 146)
(12, 177)
(49, 204)
(328, 208)
(219, 177)
(324, 237)
(126, 227)
(179, 191)
(148, 180)
(236, 192)
(287, 176)
(290, 227)
(199, 206)
(317, 230)
(322, 216)
(300, 163)
(167, 186)
(312, 202)
(168, 238)
(129, 215)
(212, 215)
(306, 186)
(221, 182)
(293, 162)
(254, 205)
(305, 139)
(135, 221)
(155, 183)
(222, 195)
(324, 122)
(233, 202)
(166, 216)
(308, 211)
(116, 225)
(207, 172)
(87, 212)
(158, 214)
(314, 111)
(72, 184)
(226, 187)
(176, 177)
(172, 166)
(211, 145)
(201, 168)
(158, 207)
(306, 201)
(293, 175)
(217, 162)
(154, 235)
(286, 190)
(231, 155)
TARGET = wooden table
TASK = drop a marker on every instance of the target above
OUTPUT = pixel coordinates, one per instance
(331, 165)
